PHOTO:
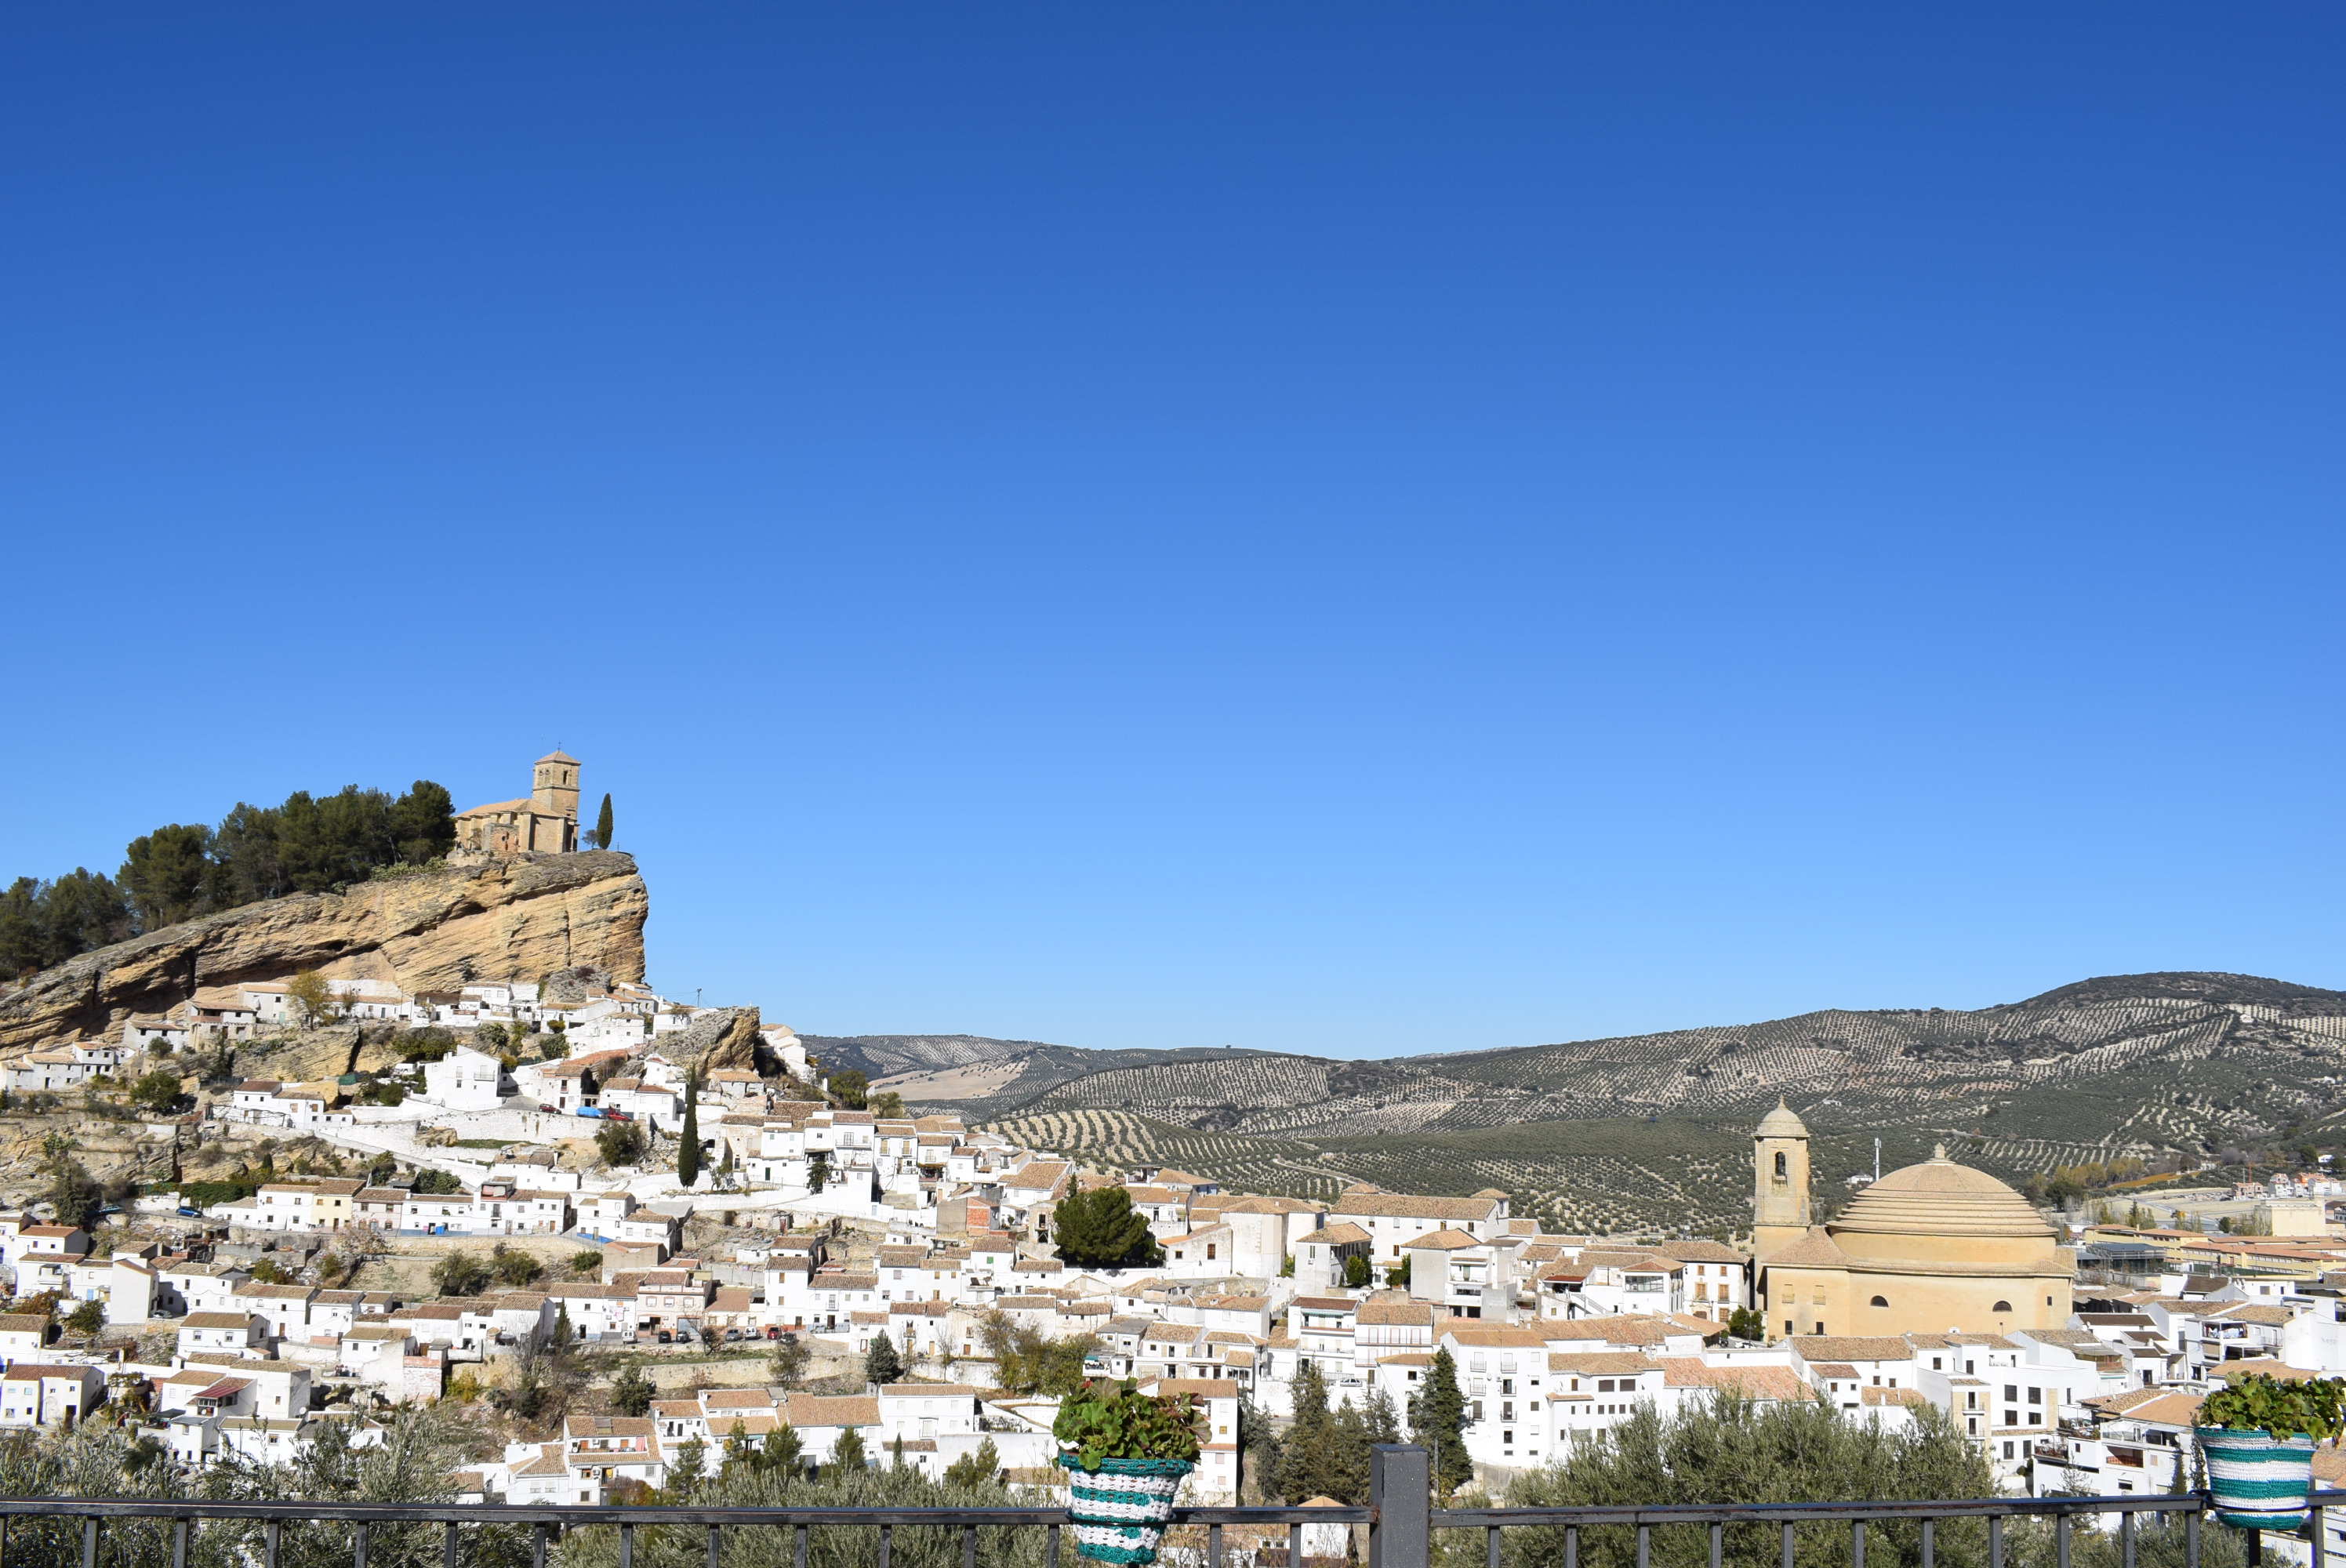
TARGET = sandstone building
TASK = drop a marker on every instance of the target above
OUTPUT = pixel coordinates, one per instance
(545, 818)
(1932, 1248)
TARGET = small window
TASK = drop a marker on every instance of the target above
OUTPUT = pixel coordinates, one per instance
(1882, 1301)
(2006, 1305)
(1781, 1173)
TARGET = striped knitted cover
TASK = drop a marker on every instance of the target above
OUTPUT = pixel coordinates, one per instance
(1119, 1510)
(2255, 1481)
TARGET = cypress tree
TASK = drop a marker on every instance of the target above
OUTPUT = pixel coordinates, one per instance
(1304, 1459)
(603, 825)
(1438, 1414)
(688, 1148)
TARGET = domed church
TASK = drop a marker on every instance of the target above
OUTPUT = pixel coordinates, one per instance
(1934, 1246)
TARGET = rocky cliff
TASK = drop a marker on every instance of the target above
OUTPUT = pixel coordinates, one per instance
(513, 920)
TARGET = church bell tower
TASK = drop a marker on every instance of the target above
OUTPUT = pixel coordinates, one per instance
(1779, 1181)
(554, 792)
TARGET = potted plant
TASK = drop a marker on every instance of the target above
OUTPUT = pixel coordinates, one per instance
(2258, 1437)
(1125, 1454)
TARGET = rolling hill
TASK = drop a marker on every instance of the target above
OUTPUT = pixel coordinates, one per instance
(1650, 1130)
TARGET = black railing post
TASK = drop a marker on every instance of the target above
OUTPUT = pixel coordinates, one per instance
(1930, 1542)
(1401, 1492)
(969, 1546)
(2317, 1552)
(1294, 1544)
(1788, 1545)
(537, 1547)
(1213, 1546)
(2191, 1537)
(888, 1545)
(1995, 1543)
(359, 1544)
(1050, 1548)
(627, 1546)
(269, 1544)
(1572, 1546)
(448, 1547)
(1717, 1544)
(89, 1543)
(179, 1544)
(2125, 1540)
(2061, 1540)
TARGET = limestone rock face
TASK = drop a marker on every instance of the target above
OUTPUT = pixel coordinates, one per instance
(517, 919)
(722, 1038)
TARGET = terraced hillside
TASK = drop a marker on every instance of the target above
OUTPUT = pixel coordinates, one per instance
(1651, 1129)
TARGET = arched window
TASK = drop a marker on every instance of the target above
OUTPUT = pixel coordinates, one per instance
(2001, 1307)
(1880, 1301)
(1781, 1173)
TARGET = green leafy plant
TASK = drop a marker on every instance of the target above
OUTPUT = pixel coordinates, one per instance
(2314, 1407)
(1101, 1421)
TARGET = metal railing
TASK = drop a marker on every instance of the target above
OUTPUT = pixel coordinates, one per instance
(1401, 1526)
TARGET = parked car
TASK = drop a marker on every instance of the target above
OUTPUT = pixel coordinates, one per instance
(666, 1338)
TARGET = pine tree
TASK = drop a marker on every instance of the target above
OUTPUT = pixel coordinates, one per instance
(847, 1452)
(1303, 1461)
(1347, 1456)
(603, 825)
(881, 1363)
(1438, 1416)
(688, 1147)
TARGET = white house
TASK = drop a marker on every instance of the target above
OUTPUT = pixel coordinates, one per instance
(464, 1079)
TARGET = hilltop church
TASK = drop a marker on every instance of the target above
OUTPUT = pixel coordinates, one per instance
(1932, 1248)
(545, 818)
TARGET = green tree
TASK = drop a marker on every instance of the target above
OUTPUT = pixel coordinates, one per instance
(1728, 1450)
(163, 873)
(1307, 1452)
(1025, 1363)
(423, 823)
(881, 1363)
(85, 1319)
(847, 1452)
(158, 1091)
(1437, 1416)
(461, 1274)
(782, 1451)
(789, 1363)
(979, 1467)
(621, 1144)
(71, 1193)
(1101, 1230)
(603, 824)
(1745, 1323)
(688, 1143)
(309, 994)
(586, 1263)
(1357, 1271)
(849, 1088)
(684, 1477)
(1397, 1277)
(514, 1267)
(888, 1106)
(631, 1391)
(437, 1184)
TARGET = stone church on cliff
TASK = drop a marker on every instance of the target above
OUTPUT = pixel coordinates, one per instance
(545, 818)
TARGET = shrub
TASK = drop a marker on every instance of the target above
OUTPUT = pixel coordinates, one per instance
(2314, 1407)
(460, 1274)
(1105, 1421)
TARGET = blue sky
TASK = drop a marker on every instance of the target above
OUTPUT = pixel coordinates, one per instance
(1356, 529)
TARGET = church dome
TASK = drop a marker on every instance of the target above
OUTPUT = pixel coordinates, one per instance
(1940, 1198)
(1781, 1123)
